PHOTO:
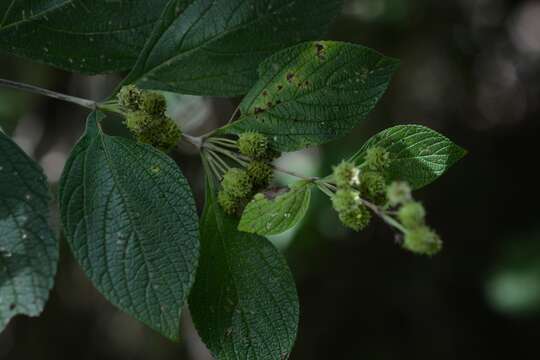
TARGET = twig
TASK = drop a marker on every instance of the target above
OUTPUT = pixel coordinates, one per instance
(92, 105)
(231, 119)
(195, 141)
(291, 173)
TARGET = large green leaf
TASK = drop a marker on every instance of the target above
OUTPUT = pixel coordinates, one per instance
(28, 248)
(88, 36)
(214, 46)
(418, 154)
(244, 302)
(313, 93)
(131, 222)
(265, 216)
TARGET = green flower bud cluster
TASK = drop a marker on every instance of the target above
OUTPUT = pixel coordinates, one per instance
(347, 200)
(256, 146)
(373, 183)
(236, 188)
(129, 97)
(377, 158)
(347, 175)
(356, 183)
(146, 118)
(260, 173)
(419, 238)
(351, 211)
(239, 185)
(399, 192)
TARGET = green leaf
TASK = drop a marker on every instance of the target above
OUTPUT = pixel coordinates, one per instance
(271, 217)
(418, 154)
(314, 93)
(87, 36)
(244, 302)
(130, 219)
(214, 47)
(28, 248)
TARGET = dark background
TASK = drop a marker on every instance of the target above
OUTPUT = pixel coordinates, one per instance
(471, 70)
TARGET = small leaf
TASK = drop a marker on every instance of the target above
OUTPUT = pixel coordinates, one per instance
(418, 154)
(271, 217)
(28, 248)
(314, 93)
(131, 222)
(214, 47)
(84, 36)
(244, 302)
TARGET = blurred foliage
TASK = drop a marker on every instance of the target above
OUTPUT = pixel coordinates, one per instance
(514, 286)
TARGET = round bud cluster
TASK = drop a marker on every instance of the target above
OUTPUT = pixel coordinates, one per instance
(377, 158)
(419, 238)
(373, 186)
(347, 200)
(237, 183)
(146, 118)
(153, 103)
(238, 186)
(422, 240)
(412, 214)
(129, 97)
(352, 212)
(346, 175)
(236, 190)
(253, 145)
(398, 192)
(256, 146)
(260, 173)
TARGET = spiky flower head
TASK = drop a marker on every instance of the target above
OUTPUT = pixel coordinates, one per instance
(352, 212)
(398, 193)
(377, 158)
(357, 219)
(422, 240)
(129, 97)
(164, 135)
(159, 131)
(345, 200)
(228, 203)
(373, 186)
(271, 154)
(237, 183)
(260, 173)
(412, 215)
(138, 122)
(346, 175)
(253, 144)
(153, 103)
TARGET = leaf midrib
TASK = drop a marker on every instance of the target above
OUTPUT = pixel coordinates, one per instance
(32, 17)
(108, 157)
(177, 57)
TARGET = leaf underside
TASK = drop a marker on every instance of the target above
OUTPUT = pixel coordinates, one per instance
(314, 93)
(271, 217)
(244, 302)
(87, 36)
(28, 248)
(131, 222)
(204, 47)
(418, 154)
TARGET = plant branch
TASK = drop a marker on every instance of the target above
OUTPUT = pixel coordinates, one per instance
(195, 141)
(92, 105)
(291, 173)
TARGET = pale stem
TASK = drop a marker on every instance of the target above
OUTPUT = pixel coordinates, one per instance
(92, 105)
